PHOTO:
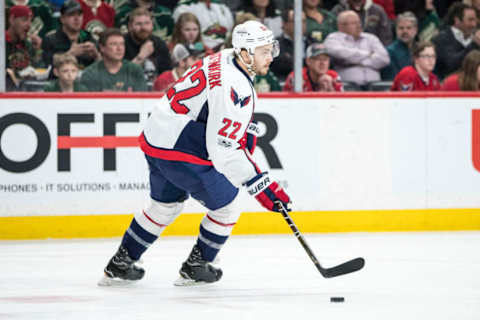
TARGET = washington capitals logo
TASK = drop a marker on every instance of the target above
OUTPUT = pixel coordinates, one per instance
(236, 99)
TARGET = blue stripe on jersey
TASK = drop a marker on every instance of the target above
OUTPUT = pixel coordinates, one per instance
(137, 240)
(203, 115)
(193, 140)
(210, 243)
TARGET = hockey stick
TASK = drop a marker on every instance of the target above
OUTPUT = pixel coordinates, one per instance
(344, 268)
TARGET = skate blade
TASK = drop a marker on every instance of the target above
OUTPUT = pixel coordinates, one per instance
(114, 282)
(182, 282)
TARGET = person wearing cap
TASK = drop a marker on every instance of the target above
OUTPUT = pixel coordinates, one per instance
(70, 37)
(43, 20)
(143, 48)
(183, 58)
(113, 72)
(317, 75)
(21, 53)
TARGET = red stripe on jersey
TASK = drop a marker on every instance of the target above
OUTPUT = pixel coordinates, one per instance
(171, 155)
(219, 223)
(153, 221)
(257, 169)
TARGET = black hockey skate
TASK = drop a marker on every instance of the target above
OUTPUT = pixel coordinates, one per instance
(121, 269)
(196, 270)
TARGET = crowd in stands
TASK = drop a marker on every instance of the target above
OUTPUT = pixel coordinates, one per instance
(147, 45)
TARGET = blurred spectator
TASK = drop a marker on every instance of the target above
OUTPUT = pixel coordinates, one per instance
(113, 73)
(143, 48)
(399, 50)
(70, 37)
(418, 77)
(428, 20)
(468, 79)
(161, 16)
(440, 5)
(266, 12)
(42, 19)
(320, 22)
(455, 41)
(373, 18)
(476, 5)
(187, 31)
(216, 20)
(97, 16)
(357, 56)
(183, 58)
(65, 68)
(22, 55)
(317, 75)
(388, 6)
(283, 64)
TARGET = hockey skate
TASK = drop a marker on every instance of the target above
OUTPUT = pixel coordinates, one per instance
(121, 270)
(197, 271)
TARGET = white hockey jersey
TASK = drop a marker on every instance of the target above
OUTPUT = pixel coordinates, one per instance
(204, 117)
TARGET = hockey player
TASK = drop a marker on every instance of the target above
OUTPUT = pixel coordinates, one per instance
(197, 142)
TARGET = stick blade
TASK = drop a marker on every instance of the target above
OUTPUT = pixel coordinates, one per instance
(344, 268)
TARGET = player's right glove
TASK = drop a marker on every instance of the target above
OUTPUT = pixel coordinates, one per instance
(268, 192)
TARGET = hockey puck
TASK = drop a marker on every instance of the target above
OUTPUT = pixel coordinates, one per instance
(337, 299)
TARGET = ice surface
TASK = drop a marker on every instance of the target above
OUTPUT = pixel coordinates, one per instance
(432, 275)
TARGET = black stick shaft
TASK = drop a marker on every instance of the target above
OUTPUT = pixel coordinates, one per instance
(300, 238)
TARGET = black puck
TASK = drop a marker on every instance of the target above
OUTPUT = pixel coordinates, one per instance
(337, 299)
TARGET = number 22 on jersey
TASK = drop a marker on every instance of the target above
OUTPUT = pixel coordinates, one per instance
(197, 83)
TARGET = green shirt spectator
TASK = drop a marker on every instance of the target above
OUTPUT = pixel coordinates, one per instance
(130, 77)
(320, 22)
(113, 73)
(267, 83)
(54, 86)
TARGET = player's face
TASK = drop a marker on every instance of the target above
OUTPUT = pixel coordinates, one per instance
(478, 75)
(262, 58)
(406, 30)
(114, 48)
(67, 73)
(141, 27)
(190, 31)
(426, 59)
(72, 21)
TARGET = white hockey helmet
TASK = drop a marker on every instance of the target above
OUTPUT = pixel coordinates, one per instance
(252, 34)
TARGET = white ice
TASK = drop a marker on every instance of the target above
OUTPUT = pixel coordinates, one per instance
(432, 275)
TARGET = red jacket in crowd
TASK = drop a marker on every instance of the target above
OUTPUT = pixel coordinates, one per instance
(408, 79)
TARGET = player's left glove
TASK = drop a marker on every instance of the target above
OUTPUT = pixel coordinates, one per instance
(268, 192)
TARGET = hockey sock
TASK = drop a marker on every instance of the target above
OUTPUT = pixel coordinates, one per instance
(210, 243)
(137, 240)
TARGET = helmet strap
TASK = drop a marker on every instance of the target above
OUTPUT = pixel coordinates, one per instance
(250, 66)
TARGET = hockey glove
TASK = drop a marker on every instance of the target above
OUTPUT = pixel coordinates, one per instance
(268, 192)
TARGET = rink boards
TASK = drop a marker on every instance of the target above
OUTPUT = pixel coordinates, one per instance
(70, 165)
